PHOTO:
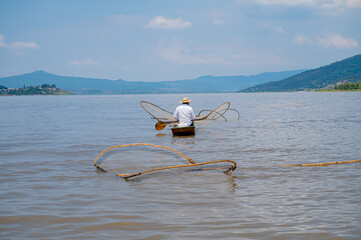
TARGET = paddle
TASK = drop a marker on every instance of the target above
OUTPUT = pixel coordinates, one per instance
(161, 125)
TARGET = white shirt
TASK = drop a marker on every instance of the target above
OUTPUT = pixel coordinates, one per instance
(184, 113)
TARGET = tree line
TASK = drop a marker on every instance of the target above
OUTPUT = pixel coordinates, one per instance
(349, 86)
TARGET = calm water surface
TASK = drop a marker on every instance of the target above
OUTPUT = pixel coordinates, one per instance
(50, 189)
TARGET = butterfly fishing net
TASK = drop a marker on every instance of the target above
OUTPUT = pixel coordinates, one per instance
(214, 114)
(225, 166)
(142, 160)
(204, 117)
(157, 112)
(165, 117)
(230, 114)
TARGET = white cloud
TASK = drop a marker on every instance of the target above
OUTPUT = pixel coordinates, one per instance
(178, 53)
(219, 17)
(218, 21)
(291, 3)
(127, 68)
(301, 39)
(2, 43)
(330, 41)
(326, 4)
(17, 46)
(25, 45)
(163, 23)
(328, 7)
(351, 4)
(86, 63)
(269, 27)
(230, 54)
(336, 40)
(279, 30)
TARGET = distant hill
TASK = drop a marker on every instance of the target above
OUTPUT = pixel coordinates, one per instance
(347, 70)
(205, 84)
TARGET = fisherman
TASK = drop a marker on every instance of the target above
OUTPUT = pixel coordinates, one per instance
(184, 113)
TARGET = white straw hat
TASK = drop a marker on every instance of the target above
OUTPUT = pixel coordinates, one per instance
(185, 100)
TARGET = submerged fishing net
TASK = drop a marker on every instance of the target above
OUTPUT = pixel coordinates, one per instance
(225, 166)
(139, 160)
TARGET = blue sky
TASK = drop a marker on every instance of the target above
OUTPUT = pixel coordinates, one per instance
(159, 40)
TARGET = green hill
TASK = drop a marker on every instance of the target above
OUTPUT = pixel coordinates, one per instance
(347, 70)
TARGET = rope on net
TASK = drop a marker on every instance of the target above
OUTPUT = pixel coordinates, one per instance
(210, 165)
(320, 164)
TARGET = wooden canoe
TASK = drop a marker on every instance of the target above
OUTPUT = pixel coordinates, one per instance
(183, 131)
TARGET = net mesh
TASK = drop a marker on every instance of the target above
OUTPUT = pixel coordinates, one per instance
(141, 160)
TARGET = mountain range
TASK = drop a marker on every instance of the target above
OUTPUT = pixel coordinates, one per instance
(347, 70)
(204, 84)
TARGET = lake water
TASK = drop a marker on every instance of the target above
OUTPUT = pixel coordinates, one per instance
(51, 190)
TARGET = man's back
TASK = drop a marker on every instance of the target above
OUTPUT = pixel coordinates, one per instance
(184, 113)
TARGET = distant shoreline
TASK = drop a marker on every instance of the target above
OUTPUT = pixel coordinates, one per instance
(333, 90)
(44, 89)
(55, 94)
